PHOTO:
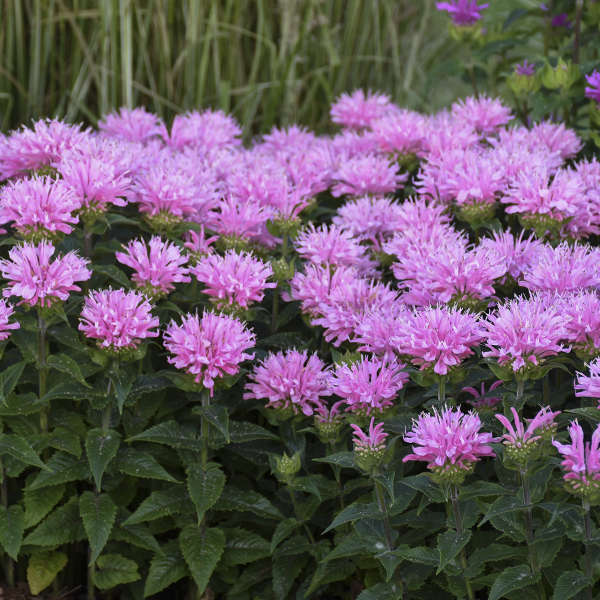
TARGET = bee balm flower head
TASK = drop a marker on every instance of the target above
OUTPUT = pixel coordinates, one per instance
(369, 448)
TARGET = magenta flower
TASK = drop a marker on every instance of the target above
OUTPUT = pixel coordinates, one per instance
(119, 320)
(367, 174)
(236, 279)
(358, 110)
(437, 338)
(589, 385)
(581, 461)
(38, 280)
(449, 442)
(376, 327)
(368, 385)
(198, 244)
(39, 207)
(525, 69)
(444, 133)
(592, 90)
(581, 312)
(290, 380)
(522, 332)
(481, 398)
(6, 312)
(485, 115)
(555, 137)
(208, 347)
(206, 131)
(401, 132)
(132, 125)
(463, 12)
(373, 442)
(158, 265)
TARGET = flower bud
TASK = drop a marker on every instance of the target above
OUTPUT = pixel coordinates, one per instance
(451, 474)
(282, 270)
(286, 466)
(477, 214)
(563, 76)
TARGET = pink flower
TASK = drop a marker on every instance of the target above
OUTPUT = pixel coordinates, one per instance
(522, 332)
(563, 269)
(368, 385)
(6, 312)
(485, 115)
(237, 279)
(206, 131)
(592, 90)
(158, 265)
(290, 380)
(401, 132)
(367, 174)
(448, 440)
(358, 110)
(589, 385)
(208, 347)
(581, 461)
(118, 319)
(374, 441)
(555, 137)
(39, 281)
(239, 220)
(517, 253)
(444, 133)
(375, 328)
(39, 207)
(198, 244)
(463, 12)
(132, 125)
(437, 338)
(481, 398)
(581, 312)
(519, 438)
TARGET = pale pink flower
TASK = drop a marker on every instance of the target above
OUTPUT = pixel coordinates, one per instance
(448, 440)
(520, 438)
(290, 380)
(444, 133)
(206, 131)
(555, 137)
(236, 279)
(208, 347)
(481, 398)
(402, 132)
(376, 327)
(198, 244)
(38, 280)
(289, 140)
(38, 207)
(132, 125)
(352, 144)
(373, 442)
(369, 385)
(358, 110)
(367, 174)
(241, 220)
(589, 385)
(118, 319)
(517, 253)
(581, 312)
(6, 312)
(485, 115)
(158, 265)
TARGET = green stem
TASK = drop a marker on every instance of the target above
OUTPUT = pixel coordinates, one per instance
(106, 415)
(577, 41)
(42, 369)
(459, 531)
(87, 242)
(204, 430)
(338, 480)
(441, 391)
(297, 515)
(275, 312)
(380, 494)
(533, 561)
(9, 565)
(91, 592)
(587, 522)
(519, 394)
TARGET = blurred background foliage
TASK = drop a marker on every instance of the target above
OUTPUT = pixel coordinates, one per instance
(269, 62)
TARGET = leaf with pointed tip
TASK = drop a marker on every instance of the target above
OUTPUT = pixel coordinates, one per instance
(63, 468)
(122, 383)
(510, 580)
(202, 550)
(98, 513)
(449, 544)
(113, 570)
(242, 431)
(285, 571)
(9, 377)
(165, 569)
(217, 416)
(65, 364)
(205, 486)
(172, 434)
(42, 569)
(284, 529)
(569, 584)
(142, 464)
(243, 547)
(61, 526)
(161, 503)
(38, 503)
(12, 526)
(341, 459)
(19, 448)
(358, 510)
(101, 447)
(136, 535)
(236, 499)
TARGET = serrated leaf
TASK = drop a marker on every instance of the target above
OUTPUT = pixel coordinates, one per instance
(236, 499)
(171, 434)
(136, 535)
(42, 569)
(114, 273)
(591, 413)
(71, 391)
(204, 486)
(330, 572)
(161, 503)
(569, 584)
(21, 404)
(9, 377)
(510, 580)
(449, 544)
(419, 554)
(65, 364)
(66, 440)
(351, 545)
(101, 447)
(122, 383)
(243, 431)
(217, 416)
(12, 526)
(113, 570)
(98, 513)
(165, 569)
(61, 526)
(358, 510)
(63, 468)
(202, 550)
(26, 342)
(381, 591)
(243, 546)
(283, 529)
(285, 571)
(142, 464)
(341, 459)
(19, 448)
(38, 503)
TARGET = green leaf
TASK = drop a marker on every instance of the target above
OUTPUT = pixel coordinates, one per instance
(62, 526)
(341, 459)
(19, 448)
(65, 364)
(64, 468)
(569, 584)
(217, 416)
(449, 544)
(12, 526)
(10, 376)
(171, 434)
(422, 483)
(202, 550)
(330, 572)
(204, 486)
(353, 512)
(42, 569)
(511, 579)
(285, 571)
(283, 529)
(235, 499)
(142, 464)
(165, 569)
(26, 342)
(351, 545)
(122, 383)
(136, 535)
(243, 546)
(113, 570)
(419, 554)
(66, 440)
(381, 591)
(98, 513)
(161, 503)
(70, 390)
(591, 413)
(21, 404)
(114, 273)
(38, 503)
(243, 431)
(101, 447)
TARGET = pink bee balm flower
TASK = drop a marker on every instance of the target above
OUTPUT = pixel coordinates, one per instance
(39, 207)
(376, 327)
(206, 131)
(369, 444)
(589, 385)
(208, 347)
(368, 385)
(367, 174)
(437, 338)
(239, 220)
(236, 279)
(581, 461)
(291, 381)
(485, 115)
(358, 110)
(198, 244)
(521, 442)
(592, 90)
(38, 280)
(119, 320)
(449, 442)
(463, 12)
(158, 265)
(555, 137)
(6, 312)
(581, 311)
(481, 398)
(401, 132)
(522, 332)
(132, 125)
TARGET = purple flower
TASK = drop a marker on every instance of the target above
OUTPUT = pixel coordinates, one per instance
(481, 398)
(485, 115)
(592, 90)
(358, 110)
(463, 12)
(561, 20)
(374, 441)
(132, 125)
(6, 312)
(525, 69)
(589, 385)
